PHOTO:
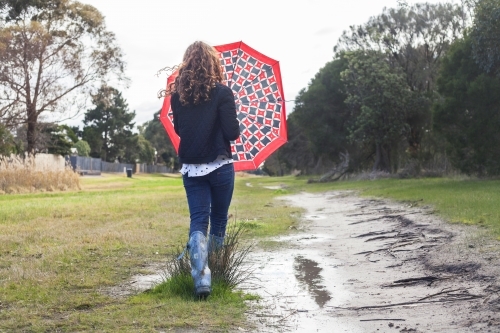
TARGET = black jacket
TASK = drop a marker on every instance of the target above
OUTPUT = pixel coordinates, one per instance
(206, 129)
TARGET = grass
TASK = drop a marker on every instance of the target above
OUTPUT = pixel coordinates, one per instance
(61, 251)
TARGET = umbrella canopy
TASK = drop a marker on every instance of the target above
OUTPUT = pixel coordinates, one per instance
(260, 104)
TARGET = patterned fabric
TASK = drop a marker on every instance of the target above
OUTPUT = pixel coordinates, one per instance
(255, 80)
(258, 101)
(197, 170)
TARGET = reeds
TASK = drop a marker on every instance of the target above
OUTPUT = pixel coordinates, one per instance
(228, 264)
(20, 175)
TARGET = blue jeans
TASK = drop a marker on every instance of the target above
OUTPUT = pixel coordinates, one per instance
(209, 196)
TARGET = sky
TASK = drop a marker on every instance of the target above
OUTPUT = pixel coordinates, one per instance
(299, 34)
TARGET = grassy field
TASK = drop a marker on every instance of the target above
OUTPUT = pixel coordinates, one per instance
(61, 252)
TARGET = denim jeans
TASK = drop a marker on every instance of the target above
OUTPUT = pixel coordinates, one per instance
(209, 197)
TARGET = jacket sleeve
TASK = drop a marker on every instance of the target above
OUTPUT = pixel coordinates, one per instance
(227, 113)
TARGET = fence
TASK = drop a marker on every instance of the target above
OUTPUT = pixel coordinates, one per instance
(115, 167)
(94, 166)
(86, 165)
(146, 168)
(39, 162)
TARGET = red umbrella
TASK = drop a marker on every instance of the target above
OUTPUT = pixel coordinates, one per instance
(258, 93)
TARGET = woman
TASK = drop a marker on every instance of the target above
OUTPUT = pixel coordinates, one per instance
(205, 119)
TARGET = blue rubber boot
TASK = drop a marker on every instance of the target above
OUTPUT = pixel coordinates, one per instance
(215, 243)
(198, 255)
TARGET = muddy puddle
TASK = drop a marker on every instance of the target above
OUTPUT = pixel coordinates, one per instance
(297, 284)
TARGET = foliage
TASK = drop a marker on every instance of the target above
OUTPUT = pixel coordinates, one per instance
(140, 150)
(108, 126)
(469, 115)
(82, 148)
(52, 51)
(378, 96)
(59, 139)
(318, 128)
(416, 38)
(12, 9)
(155, 133)
(485, 36)
(322, 113)
(7, 145)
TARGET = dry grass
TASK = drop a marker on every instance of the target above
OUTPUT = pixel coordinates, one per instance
(19, 175)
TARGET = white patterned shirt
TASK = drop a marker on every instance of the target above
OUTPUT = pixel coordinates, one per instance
(197, 170)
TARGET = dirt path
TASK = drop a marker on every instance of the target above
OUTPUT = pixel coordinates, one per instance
(359, 265)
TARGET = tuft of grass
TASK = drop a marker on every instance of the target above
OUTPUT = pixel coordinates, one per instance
(227, 264)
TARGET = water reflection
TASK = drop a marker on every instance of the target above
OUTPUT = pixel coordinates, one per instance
(308, 273)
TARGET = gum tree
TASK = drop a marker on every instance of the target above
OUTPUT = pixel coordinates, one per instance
(415, 37)
(52, 52)
(377, 96)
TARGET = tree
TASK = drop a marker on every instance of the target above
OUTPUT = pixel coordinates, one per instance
(416, 37)
(58, 139)
(143, 150)
(485, 36)
(108, 127)
(321, 112)
(377, 95)
(469, 115)
(154, 132)
(53, 50)
(82, 148)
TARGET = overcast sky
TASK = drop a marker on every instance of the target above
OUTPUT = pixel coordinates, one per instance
(299, 34)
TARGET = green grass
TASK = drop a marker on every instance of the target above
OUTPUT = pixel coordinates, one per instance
(60, 252)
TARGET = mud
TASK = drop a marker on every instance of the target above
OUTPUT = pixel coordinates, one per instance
(360, 265)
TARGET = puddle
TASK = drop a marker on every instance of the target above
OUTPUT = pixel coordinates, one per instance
(304, 238)
(314, 217)
(297, 288)
(308, 272)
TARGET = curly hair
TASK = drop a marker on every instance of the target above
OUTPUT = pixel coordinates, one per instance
(199, 72)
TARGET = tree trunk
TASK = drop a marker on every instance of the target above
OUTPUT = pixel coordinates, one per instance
(31, 132)
(378, 157)
(382, 159)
